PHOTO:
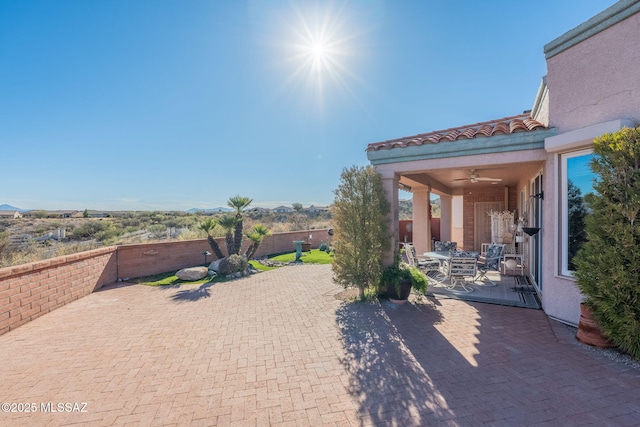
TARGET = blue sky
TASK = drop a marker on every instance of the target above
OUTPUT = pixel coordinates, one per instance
(169, 105)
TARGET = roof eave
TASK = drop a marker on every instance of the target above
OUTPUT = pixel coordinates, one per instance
(605, 19)
(467, 147)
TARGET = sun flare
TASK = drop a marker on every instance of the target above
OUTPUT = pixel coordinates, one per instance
(320, 51)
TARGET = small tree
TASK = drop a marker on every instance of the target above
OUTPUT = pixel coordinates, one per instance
(608, 264)
(297, 207)
(361, 212)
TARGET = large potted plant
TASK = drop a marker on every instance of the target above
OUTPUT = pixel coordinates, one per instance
(607, 267)
(399, 278)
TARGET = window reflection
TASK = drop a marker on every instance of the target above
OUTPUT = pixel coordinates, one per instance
(579, 184)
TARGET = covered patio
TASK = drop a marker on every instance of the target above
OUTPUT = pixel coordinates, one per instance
(510, 290)
(496, 165)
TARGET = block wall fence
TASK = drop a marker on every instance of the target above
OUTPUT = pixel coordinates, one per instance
(29, 291)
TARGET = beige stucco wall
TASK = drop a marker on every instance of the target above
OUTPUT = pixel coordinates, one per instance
(598, 79)
(560, 296)
(592, 85)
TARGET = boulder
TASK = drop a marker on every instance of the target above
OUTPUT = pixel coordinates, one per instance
(215, 265)
(192, 273)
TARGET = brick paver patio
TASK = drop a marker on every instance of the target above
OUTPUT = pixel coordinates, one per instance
(279, 349)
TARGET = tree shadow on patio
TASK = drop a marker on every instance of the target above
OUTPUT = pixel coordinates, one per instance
(387, 376)
(192, 293)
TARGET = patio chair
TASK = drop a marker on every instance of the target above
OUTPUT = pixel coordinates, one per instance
(460, 269)
(426, 264)
(491, 261)
(445, 246)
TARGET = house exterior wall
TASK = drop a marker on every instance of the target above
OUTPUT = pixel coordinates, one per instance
(596, 80)
(593, 88)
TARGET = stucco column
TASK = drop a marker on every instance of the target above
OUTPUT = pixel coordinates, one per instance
(445, 217)
(390, 182)
(421, 220)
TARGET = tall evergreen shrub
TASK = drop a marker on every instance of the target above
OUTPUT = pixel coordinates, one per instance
(360, 223)
(608, 264)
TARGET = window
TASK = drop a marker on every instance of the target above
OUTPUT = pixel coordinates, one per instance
(577, 182)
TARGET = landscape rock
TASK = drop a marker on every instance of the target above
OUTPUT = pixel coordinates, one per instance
(192, 273)
(215, 265)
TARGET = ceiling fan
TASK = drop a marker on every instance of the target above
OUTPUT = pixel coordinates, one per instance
(474, 177)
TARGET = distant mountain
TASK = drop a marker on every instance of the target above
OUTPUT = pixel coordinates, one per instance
(6, 207)
(214, 210)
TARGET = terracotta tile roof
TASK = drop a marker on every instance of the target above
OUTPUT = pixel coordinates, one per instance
(505, 126)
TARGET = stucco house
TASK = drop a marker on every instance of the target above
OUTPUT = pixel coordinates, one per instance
(526, 163)
(283, 209)
(316, 209)
(11, 214)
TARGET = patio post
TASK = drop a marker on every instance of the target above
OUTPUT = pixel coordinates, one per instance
(445, 218)
(390, 181)
(421, 219)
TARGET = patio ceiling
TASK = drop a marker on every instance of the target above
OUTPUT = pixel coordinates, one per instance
(452, 180)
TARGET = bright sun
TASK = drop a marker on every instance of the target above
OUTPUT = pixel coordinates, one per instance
(320, 49)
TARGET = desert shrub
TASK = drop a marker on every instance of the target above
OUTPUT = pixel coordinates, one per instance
(103, 231)
(88, 229)
(157, 230)
(4, 244)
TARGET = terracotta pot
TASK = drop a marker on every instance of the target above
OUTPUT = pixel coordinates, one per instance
(589, 332)
(403, 296)
(306, 247)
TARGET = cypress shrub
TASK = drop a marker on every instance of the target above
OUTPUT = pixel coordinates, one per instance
(360, 222)
(608, 264)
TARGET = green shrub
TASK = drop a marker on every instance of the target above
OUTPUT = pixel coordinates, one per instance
(232, 264)
(608, 264)
(360, 224)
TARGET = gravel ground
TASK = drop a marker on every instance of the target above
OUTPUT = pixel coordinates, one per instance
(610, 353)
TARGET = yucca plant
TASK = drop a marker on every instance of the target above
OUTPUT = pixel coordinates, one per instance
(256, 235)
(608, 264)
(207, 226)
(228, 223)
(238, 203)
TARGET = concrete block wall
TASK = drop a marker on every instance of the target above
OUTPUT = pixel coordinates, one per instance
(141, 260)
(29, 291)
